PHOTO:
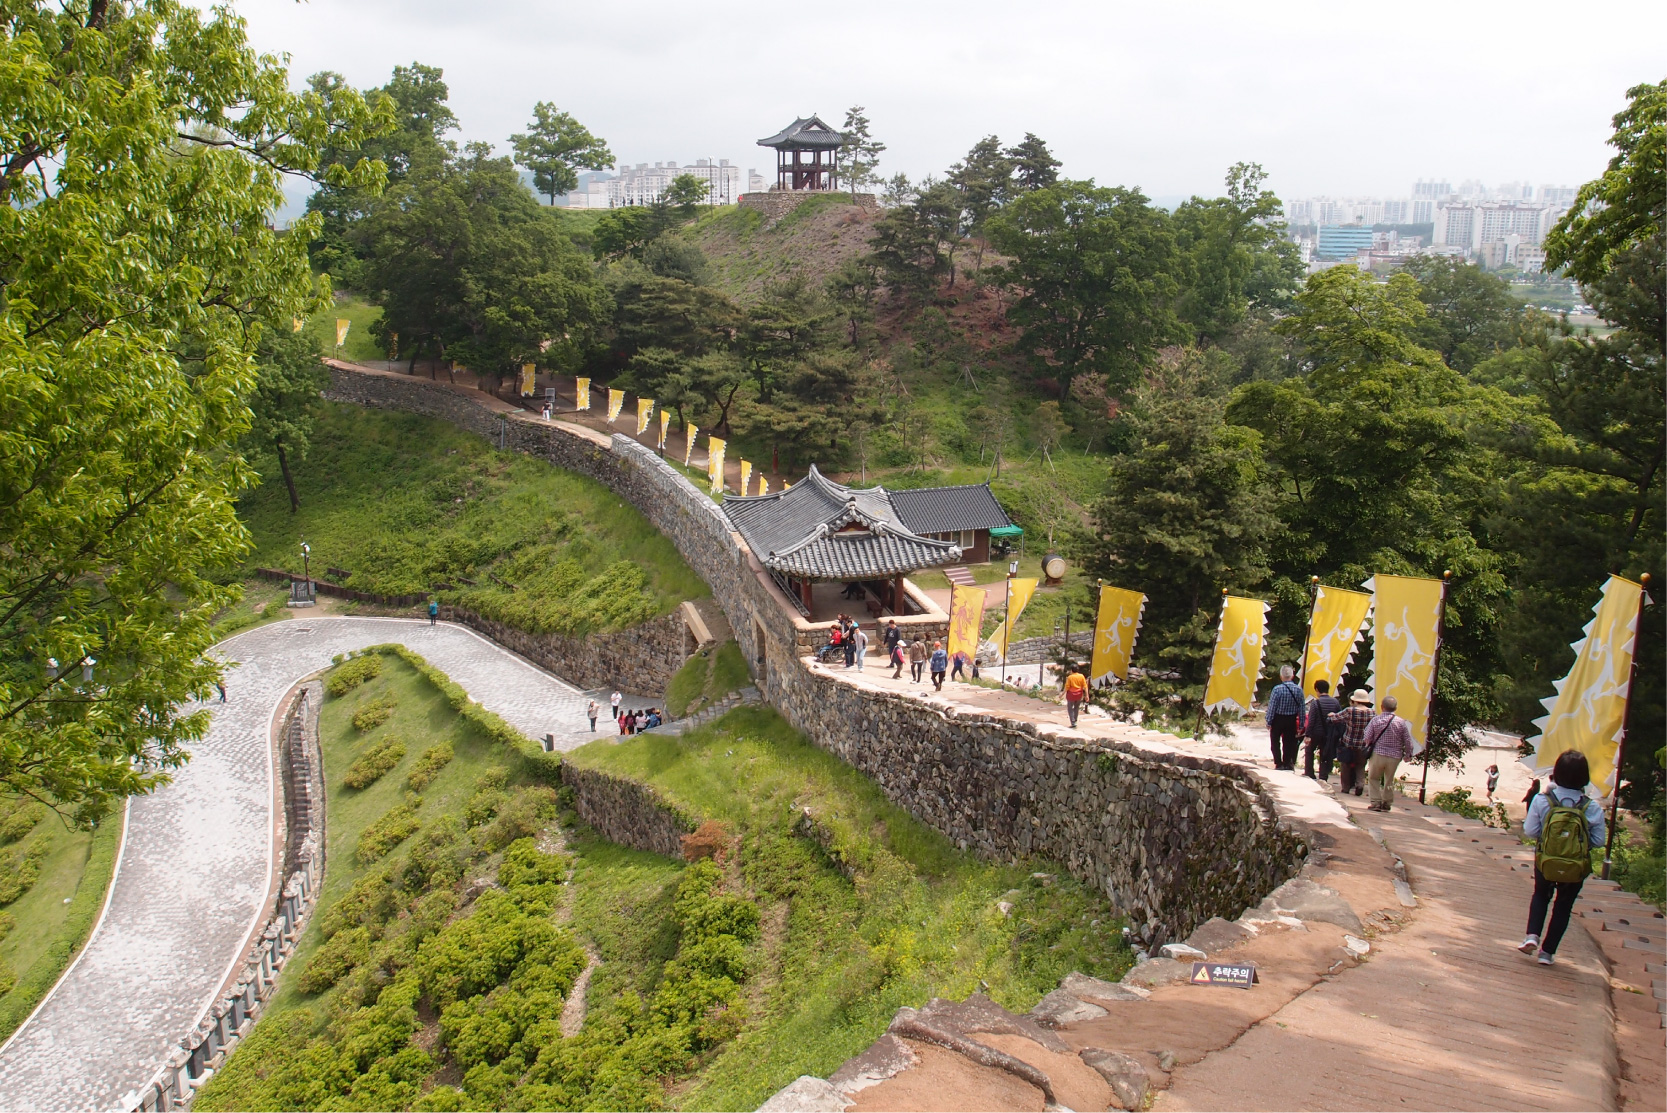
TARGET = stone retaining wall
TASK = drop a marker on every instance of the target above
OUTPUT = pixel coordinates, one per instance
(641, 658)
(1170, 838)
(625, 812)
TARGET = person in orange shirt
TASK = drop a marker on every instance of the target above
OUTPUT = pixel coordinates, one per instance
(1076, 691)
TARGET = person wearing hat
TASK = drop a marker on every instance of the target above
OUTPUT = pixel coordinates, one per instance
(1352, 749)
(1389, 737)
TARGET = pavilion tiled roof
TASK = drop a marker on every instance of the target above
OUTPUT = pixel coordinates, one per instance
(806, 133)
(820, 529)
(949, 509)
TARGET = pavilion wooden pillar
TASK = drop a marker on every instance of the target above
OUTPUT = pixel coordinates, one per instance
(899, 604)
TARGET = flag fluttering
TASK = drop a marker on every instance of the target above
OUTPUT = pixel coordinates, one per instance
(665, 423)
(1115, 629)
(715, 462)
(645, 410)
(1406, 626)
(746, 475)
(1335, 628)
(581, 394)
(763, 485)
(616, 402)
(966, 615)
(689, 435)
(1588, 710)
(1018, 594)
(1241, 639)
(528, 384)
(342, 325)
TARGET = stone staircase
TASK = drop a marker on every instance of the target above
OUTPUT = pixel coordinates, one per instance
(717, 710)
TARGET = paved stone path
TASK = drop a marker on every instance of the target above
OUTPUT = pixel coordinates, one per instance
(195, 865)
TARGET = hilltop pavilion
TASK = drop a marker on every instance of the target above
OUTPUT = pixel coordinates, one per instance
(800, 147)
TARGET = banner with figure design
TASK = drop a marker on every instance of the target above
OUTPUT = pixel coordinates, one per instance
(1018, 594)
(665, 423)
(616, 401)
(746, 475)
(529, 380)
(1115, 629)
(1406, 627)
(581, 394)
(763, 485)
(966, 616)
(645, 410)
(1588, 710)
(715, 462)
(1335, 628)
(1237, 662)
(342, 325)
(689, 434)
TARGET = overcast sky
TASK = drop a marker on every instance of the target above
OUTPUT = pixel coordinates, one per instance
(1330, 98)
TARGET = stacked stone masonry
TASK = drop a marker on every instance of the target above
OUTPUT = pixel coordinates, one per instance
(625, 812)
(1172, 838)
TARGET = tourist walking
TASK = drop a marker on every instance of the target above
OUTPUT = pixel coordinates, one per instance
(958, 672)
(939, 663)
(893, 637)
(1566, 826)
(859, 642)
(1493, 781)
(897, 662)
(590, 713)
(220, 686)
(433, 611)
(1389, 737)
(1284, 705)
(1076, 691)
(917, 658)
(850, 640)
(1351, 746)
(613, 703)
(1321, 732)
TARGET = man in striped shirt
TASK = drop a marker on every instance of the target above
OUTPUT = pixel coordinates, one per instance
(1351, 751)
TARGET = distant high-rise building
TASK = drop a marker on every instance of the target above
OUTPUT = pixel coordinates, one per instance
(1557, 195)
(1423, 211)
(1343, 241)
(1472, 225)
(643, 184)
(1432, 191)
(755, 182)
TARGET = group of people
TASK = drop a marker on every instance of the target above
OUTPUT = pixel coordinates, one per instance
(1367, 747)
(848, 640)
(632, 721)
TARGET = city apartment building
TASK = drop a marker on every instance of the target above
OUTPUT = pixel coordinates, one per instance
(1472, 225)
(643, 184)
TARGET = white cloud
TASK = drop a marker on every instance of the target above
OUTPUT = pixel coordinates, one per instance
(1329, 98)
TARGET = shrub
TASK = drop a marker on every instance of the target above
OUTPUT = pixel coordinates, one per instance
(371, 901)
(7, 923)
(1458, 802)
(340, 953)
(709, 840)
(428, 766)
(20, 869)
(373, 714)
(397, 825)
(526, 813)
(382, 756)
(352, 673)
(20, 820)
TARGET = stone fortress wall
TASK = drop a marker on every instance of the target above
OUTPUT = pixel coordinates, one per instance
(1171, 838)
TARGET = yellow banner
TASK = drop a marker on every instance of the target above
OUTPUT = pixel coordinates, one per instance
(528, 384)
(616, 401)
(298, 324)
(966, 615)
(689, 443)
(581, 394)
(715, 462)
(342, 325)
(763, 485)
(665, 422)
(645, 410)
(1115, 630)
(1018, 594)
(746, 475)
(1334, 630)
(1237, 662)
(1589, 709)
(1406, 624)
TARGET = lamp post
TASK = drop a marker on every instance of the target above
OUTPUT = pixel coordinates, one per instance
(87, 671)
(1435, 666)
(1007, 620)
(307, 567)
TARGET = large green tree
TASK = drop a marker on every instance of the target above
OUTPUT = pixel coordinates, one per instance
(466, 261)
(143, 153)
(1470, 314)
(1237, 257)
(1095, 269)
(1374, 451)
(289, 376)
(555, 147)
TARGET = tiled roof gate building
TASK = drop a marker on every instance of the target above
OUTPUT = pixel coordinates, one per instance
(793, 143)
(819, 531)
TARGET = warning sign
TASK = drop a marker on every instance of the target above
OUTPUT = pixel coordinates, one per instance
(1237, 976)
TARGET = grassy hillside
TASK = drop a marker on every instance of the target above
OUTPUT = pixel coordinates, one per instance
(401, 503)
(814, 241)
(433, 975)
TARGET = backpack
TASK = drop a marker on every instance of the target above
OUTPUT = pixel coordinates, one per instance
(1564, 852)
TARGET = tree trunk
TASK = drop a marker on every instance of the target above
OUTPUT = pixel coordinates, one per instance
(289, 480)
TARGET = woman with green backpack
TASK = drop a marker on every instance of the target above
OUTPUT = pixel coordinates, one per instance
(1565, 825)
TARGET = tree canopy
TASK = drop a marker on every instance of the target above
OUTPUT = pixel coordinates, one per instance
(555, 147)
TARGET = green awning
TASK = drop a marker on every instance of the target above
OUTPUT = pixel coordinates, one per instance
(1007, 531)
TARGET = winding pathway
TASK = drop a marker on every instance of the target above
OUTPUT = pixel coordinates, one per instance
(196, 861)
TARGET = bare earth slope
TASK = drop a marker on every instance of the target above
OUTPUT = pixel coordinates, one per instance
(748, 252)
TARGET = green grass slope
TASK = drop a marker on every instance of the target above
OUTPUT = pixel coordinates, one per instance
(402, 502)
(813, 241)
(457, 909)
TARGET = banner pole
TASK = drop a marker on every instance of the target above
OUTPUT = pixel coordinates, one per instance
(1435, 671)
(1626, 721)
(1308, 638)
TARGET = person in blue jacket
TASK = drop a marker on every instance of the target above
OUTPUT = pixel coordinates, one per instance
(1569, 778)
(939, 664)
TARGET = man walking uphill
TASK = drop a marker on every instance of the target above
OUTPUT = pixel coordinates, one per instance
(1076, 690)
(1284, 705)
(1389, 737)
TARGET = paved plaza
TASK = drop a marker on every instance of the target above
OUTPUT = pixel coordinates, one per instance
(196, 862)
